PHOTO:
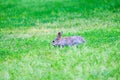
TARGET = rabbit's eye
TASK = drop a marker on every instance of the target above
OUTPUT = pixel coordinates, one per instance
(53, 41)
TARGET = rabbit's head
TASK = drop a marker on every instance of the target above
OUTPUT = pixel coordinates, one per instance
(56, 40)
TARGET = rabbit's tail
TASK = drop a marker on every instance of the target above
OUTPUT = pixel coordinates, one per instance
(82, 39)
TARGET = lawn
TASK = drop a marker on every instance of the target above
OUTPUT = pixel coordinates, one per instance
(28, 27)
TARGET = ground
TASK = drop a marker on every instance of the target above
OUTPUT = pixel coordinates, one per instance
(27, 28)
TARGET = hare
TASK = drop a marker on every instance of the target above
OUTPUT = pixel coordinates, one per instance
(67, 41)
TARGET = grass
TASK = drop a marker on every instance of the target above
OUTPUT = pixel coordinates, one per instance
(27, 28)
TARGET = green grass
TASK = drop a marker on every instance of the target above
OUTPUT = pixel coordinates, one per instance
(27, 28)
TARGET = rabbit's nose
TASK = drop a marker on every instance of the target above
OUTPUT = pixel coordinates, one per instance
(53, 44)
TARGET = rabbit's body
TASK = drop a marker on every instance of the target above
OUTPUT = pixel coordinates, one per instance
(68, 41)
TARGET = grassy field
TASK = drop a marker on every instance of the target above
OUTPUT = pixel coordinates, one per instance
(27, 28)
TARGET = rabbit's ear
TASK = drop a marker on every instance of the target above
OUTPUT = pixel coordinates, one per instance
(59, 34)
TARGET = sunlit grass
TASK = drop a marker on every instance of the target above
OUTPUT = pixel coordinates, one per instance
(29, 52)
(27, 28)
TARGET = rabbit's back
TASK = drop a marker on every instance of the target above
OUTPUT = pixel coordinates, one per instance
(69, 41)
(77, 40)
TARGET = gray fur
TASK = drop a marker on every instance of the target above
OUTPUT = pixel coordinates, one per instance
(67, 41)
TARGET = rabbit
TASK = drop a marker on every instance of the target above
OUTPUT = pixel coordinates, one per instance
(67, 41)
